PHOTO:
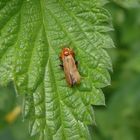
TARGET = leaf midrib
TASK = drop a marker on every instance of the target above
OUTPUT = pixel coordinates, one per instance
(43, 22)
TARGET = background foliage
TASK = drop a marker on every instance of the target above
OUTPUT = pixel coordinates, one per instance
(119, 120)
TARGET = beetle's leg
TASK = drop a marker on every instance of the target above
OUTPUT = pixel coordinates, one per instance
(60, 58)
(61, 65)
(76, 62)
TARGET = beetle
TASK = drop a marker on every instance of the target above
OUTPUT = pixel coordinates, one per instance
(67, 56)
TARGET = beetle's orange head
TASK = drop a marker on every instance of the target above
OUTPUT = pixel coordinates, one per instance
(66, 52)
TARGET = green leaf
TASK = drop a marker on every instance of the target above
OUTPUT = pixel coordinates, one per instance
(128, 3)
(32, 34)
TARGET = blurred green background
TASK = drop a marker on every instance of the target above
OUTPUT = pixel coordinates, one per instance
(120, 118)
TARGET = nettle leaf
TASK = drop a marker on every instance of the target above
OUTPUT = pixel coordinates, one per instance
(32, 34)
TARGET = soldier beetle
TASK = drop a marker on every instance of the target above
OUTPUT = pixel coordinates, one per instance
(69, 65)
